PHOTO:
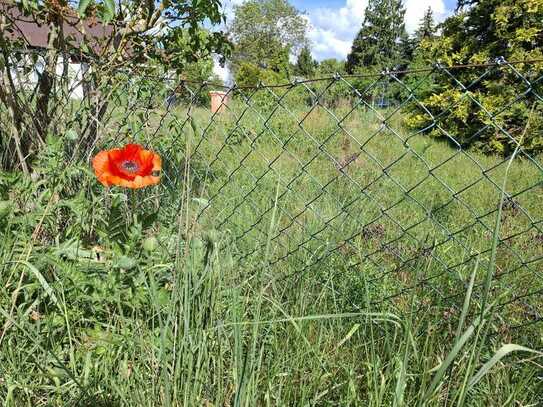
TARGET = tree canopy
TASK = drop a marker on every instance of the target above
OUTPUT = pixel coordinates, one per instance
(164, 34)
(266, 32)
(305, 64)
(382, 40)
(427, 27)
(486, 31)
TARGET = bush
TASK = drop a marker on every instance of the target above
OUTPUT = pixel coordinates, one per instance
(249, 75)
(484, 108)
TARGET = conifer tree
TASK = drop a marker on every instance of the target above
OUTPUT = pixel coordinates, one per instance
(305, 64)
(484, 31)
(427, 27)
(382, 40)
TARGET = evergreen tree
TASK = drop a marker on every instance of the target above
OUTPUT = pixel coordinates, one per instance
(423, 42)
(427, 28)
(480, 32)
(382, 40)
(306, 65)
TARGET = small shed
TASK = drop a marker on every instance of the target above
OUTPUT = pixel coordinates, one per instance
(219, 101)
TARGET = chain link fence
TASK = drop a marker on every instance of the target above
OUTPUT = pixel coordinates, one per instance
(387, 183)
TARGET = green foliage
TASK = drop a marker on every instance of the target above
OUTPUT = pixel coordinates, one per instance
(250, 75)
(382, 42)
(116, 297)
(427, 28)
(194, 91)
(490, 116)
(339, 93)
(330, 66)
(189, 52)
(121, 298)
(305, 64)
(265, 33)
(146, 37)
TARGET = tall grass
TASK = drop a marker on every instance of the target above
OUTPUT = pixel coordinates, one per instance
(114, 298)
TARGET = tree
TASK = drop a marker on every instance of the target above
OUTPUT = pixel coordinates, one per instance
(483, 31)
(424, 44)
(382, 40)
(180, 47)
(427, 28)
(196, 73)
(330, 66)
(265, 33)
(160, 33)
(305, 64)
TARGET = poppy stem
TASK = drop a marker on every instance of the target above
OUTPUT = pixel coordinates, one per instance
(133, 202)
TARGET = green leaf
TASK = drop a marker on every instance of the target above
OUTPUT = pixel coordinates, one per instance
(83, 4)
(125, 262)
(5, 209)
(48, 289)
(195, 127)
(467, 300)
(500, 354)
(71, 135)
(348, 336)
(459, 344)
(150, 244)
(401, 383)
(116, 227)
(57, 372)
(109, 10)
(73, 250)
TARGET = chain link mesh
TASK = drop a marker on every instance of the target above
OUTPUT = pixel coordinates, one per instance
(330, 174)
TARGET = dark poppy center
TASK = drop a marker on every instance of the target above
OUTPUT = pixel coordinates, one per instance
(130, 166)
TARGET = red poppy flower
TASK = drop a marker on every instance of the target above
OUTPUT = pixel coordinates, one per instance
(129, 167)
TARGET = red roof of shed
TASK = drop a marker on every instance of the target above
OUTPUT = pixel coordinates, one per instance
(35, 33)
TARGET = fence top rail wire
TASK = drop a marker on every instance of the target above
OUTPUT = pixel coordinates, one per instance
(337, 75)
(497, 62)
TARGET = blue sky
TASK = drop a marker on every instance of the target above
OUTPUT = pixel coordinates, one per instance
(334, 23)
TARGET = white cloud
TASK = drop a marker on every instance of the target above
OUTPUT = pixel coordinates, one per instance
(327, 44)
(332, 30)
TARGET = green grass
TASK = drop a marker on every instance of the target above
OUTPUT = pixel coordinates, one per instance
(255, 274)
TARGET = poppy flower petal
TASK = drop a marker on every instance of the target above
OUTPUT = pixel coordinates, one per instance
(132, 150)
(111, 179)
(157, 162)
(129, 167)
(145, 160)
(100, 163)
(115, 154)
(141, 182)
